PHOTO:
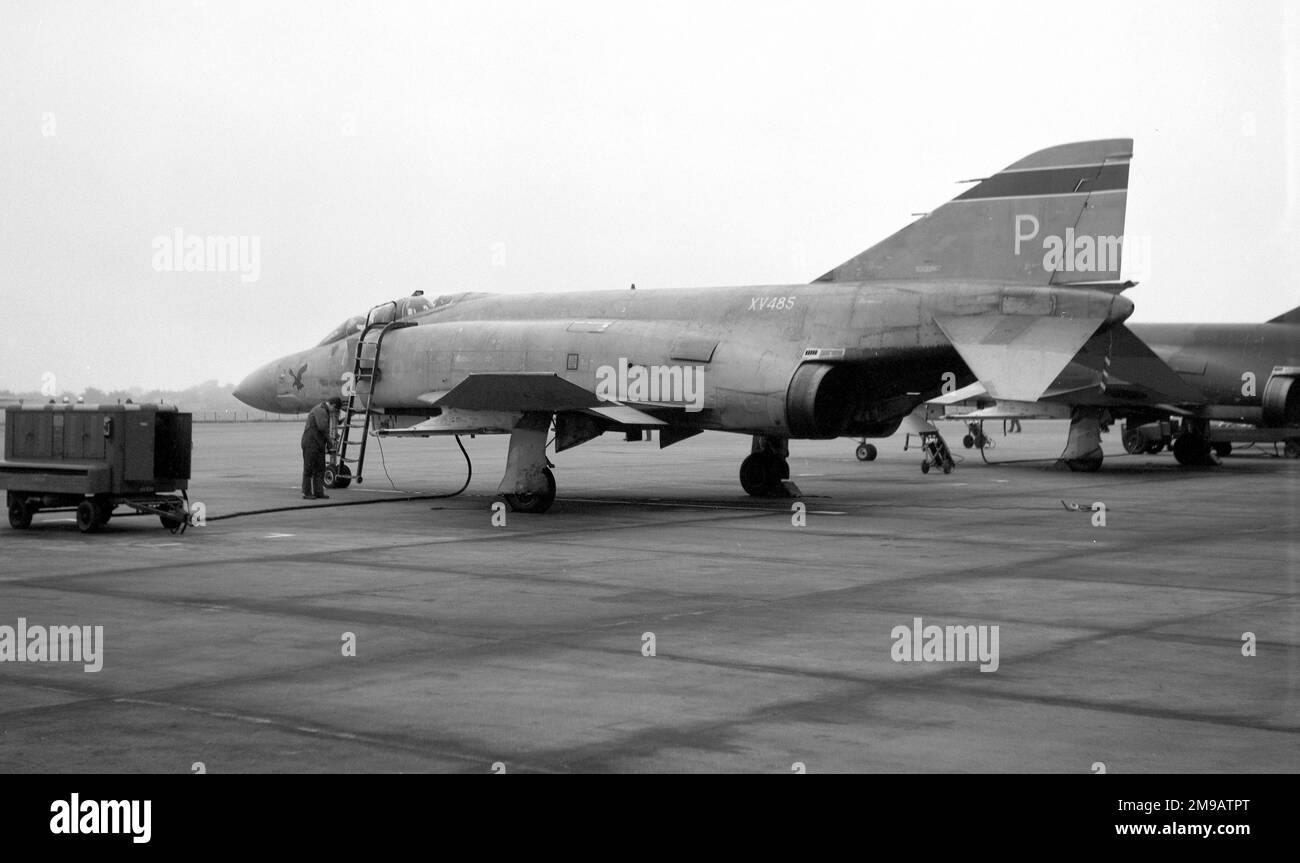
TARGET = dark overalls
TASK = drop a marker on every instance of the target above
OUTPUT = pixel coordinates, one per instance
(315, 443)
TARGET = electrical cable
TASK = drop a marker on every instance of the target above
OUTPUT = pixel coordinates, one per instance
(469, 474)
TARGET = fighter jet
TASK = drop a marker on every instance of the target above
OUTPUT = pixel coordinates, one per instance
(1239, 374)
(1003, 284)
(1246, 372)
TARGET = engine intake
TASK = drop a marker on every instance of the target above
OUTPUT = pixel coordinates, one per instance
(820, 401)
(1281, 400)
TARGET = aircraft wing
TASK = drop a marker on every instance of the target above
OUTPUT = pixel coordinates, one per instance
(973, 402)
(494, 402)
(1005, 410)
(515, 391)
(1122, 369)
(967, 393)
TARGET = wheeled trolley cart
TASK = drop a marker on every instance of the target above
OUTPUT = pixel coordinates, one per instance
(934, 453)
(92, 459)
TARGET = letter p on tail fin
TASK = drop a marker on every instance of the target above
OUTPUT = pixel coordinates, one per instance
(1053, 218)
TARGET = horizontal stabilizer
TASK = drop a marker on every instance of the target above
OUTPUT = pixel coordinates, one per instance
(1017, 357)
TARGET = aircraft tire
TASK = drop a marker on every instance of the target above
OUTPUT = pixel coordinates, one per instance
(761, 473)
(534, 502)
(1133, 443)
(861, 452)
(871, 452)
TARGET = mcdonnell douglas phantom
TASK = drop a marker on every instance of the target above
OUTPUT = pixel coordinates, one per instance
(1004, 284)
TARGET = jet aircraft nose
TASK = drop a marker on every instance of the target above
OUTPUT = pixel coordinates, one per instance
(258, 389)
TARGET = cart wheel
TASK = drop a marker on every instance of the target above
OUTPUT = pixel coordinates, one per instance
(947, 467)
(338, 477)
(968, 441)
(87, 516)
(174, 520)
(20, 515)
(925, 467)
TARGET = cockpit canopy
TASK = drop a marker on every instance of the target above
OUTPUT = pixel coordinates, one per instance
(416, 304)
(350, 327)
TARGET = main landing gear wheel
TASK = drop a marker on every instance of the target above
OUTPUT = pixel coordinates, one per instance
(339, 476)
(865, 452)
(87, 516)
(534, 501)
(20, 514)
(1133, 443)
(761, 473)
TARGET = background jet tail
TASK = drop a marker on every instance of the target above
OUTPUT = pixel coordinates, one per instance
(1053, 218)
(1291, 317)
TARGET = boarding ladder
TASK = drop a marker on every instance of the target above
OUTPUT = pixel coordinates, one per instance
(354, 425)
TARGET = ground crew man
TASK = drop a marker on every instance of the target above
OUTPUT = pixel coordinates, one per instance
(316, 443)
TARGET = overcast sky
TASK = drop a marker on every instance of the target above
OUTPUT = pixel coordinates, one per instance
(375, 149)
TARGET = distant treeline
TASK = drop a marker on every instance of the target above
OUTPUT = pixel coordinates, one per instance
(208, 397)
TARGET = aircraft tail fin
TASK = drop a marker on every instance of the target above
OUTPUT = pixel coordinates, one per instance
(1291, 317)
(1055, 217)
